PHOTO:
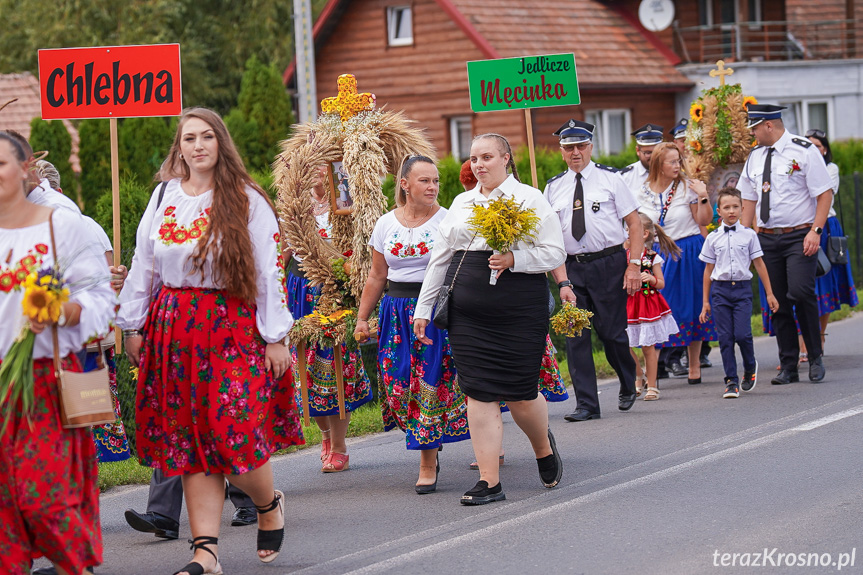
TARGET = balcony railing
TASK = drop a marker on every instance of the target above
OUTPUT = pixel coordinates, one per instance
(770, 41)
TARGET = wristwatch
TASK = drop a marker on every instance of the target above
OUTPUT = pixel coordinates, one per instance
(704, 200)
(635, 261)
(817, 230)
(563, 284)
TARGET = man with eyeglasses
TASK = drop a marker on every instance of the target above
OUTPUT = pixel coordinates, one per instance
(787, 192)
(592, 203)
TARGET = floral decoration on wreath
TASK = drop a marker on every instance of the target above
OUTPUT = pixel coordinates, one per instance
(370, 143)
(717, 135)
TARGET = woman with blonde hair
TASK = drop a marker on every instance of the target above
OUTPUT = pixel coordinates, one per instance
(204, 317)
(497, 332)
(680, 205)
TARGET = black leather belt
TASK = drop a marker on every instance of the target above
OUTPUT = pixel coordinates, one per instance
(404, 289)
(584, 258)
(295, 268)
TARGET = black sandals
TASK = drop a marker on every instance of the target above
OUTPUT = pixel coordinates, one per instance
(271, 540)
(195, 568)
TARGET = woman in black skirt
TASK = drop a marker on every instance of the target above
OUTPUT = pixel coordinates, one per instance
(497, 332)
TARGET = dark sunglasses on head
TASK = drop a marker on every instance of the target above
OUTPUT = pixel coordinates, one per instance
(816, 133)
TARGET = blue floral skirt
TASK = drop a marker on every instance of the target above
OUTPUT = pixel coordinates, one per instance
(684, 279)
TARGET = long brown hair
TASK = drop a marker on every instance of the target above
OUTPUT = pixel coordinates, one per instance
(658, 157)
(227, 237)
(504, 148)
(655, 233)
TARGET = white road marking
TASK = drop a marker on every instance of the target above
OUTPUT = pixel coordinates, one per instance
(829, 419)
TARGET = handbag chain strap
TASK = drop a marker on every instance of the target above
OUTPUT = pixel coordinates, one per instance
(455, 275)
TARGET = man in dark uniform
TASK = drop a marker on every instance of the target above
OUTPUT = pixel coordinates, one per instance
(592, 203)
(787, 191)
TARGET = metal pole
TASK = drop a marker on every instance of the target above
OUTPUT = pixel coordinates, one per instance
(857, 221)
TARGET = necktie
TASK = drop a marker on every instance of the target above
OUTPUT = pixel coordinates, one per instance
(765, 188)
(578, 227)
(730, 228)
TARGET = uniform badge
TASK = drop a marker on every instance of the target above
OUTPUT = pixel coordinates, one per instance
(595, 207)
(765, 187)
(577, 205)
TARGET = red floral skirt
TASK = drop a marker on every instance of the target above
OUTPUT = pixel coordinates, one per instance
(49, 493)
(205, 401)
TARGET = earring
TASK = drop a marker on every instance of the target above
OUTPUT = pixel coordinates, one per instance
(181, 156)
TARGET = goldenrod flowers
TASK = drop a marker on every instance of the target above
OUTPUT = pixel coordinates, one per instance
(571, 320)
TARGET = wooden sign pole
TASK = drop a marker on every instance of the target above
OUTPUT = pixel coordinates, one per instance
(115, 201)
(529, 125)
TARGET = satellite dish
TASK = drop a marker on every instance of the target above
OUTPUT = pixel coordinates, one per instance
(656, 15)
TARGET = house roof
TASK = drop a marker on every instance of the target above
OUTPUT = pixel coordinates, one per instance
(18, 115)
(612, 49)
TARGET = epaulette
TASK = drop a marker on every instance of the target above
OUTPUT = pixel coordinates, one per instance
(553, 178)
(611, 169)
(625, 170)
(801, 142)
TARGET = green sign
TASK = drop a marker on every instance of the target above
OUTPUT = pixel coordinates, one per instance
(518, 83)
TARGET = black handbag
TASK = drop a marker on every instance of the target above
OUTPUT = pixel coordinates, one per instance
(837, 250)
(440, 316)
(823, 266)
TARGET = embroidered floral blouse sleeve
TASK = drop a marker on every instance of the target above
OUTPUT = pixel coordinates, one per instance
(273, 318)
(143, 279)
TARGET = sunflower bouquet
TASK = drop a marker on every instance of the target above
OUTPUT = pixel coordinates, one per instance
(45, 292)
(571, 320)
(502, 224)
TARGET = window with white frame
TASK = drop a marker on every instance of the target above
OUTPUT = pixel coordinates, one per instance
(460, 135)
(805, 115)
(612, 130)
(400, 26)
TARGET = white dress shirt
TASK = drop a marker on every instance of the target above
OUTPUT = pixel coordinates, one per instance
(793, 192)
(45, 195)
(731, 252)
(606, 202)
(539, 256)
(167, 236)
(679, 222)
(634, 175)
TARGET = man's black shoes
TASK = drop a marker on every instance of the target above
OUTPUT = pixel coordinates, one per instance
(625, 401)
(816, 370)
(785, 377)
(581, 414)
(244, 516)
(161, 526)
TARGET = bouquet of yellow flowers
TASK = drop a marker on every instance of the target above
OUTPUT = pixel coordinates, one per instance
(45, 292)
(571, 320)
(503, 224)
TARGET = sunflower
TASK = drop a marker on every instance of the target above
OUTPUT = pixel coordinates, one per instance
(42, 304)
(748, 100)
(695, 145)
(696, 112)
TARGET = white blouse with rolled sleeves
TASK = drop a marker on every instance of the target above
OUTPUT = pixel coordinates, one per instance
(84, 268)
(168, 235)
(540, 256)
(679, 222)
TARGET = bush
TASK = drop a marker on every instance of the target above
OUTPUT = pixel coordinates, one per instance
(549, 163)
(144, 143)
(95, 156)
(848, 155)
(134, 197)
(53, 137)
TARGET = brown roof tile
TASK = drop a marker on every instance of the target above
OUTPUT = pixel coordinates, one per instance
(18, 115)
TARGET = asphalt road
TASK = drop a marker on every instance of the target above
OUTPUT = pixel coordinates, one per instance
(670, 487)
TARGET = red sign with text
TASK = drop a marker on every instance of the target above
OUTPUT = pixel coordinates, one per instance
(110, 82)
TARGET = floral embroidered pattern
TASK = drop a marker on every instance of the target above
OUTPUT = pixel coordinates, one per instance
(280, 265)
(13, 276)
(405, 249)
(170, 232)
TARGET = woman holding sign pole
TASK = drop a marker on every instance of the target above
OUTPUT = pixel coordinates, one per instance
(215, 397)
(497, 332)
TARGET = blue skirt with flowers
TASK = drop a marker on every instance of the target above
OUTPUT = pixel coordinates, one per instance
(683, 292)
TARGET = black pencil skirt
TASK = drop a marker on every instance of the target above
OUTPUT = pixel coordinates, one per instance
(497, 332)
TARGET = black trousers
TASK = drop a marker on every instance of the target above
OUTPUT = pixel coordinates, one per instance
(792, 277)
(598, 287)
(166, 496)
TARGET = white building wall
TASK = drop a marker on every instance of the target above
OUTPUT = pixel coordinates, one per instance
(838, 83)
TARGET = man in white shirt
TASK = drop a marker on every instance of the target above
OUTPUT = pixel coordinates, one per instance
(787, 192)
(592, 203)
(646, 137)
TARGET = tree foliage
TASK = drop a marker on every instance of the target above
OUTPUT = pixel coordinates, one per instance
(144, 143)
(95, 157)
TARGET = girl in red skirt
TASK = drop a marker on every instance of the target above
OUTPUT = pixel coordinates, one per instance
(648, 314)
(49, 495)
(205, 287)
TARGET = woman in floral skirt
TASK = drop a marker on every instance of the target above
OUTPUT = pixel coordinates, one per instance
(49, 496)
(321, 375)
(214, 388)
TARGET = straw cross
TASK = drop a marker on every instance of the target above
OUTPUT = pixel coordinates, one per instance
(348, 103)
(721, 71)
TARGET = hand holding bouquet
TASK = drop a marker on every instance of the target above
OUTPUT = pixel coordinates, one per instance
(503, 224)
(45, 292)
(571, 320)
